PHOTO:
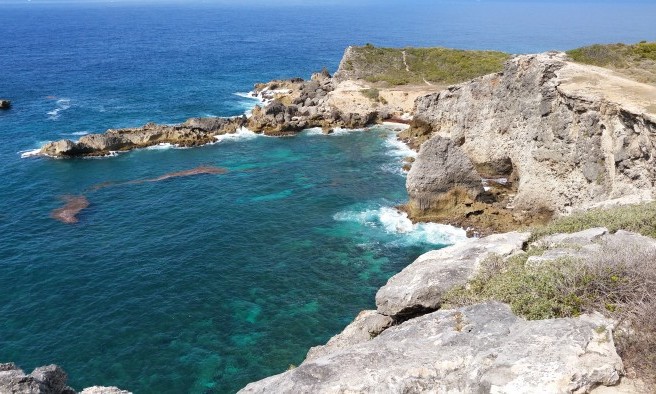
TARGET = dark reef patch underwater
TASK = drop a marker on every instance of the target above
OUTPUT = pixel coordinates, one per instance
(204, 283)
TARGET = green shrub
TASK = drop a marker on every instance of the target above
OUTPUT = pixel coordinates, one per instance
(532, 292)
(436, 65)
(618, 281)
(372, 94)
(637, 61)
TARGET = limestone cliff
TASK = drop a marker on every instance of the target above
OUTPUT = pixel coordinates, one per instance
(569, 135)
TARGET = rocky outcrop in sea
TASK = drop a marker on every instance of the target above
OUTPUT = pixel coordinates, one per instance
(289, 106)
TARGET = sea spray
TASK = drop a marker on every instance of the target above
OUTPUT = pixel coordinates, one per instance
(393, 222)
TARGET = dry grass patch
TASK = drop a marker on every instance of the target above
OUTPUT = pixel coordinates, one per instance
(640, 218)
(637, 61)
(618, 281)
(435, 65)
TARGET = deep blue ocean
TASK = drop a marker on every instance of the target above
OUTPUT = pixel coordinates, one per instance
(203, 284)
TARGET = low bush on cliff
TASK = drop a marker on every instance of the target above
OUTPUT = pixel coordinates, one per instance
(532, 292)
(452, 66)
(640, 218)
(618, 281)
(637, 61)
(422, 65)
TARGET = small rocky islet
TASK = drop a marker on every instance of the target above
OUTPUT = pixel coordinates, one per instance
(541, 137)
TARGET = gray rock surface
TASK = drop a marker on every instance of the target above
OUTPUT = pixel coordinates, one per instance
(43, 380)
(419, 287)
(367, 325)
(193, 132)
(50, 379)
(576, 135)
(441, 166)
(476, 349)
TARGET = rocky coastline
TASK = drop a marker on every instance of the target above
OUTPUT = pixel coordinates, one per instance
(544, 137)
(288, 107)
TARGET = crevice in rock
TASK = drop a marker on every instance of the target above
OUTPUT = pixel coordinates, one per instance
(411, 313)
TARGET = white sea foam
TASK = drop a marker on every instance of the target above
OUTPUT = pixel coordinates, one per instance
(392, 221)
(394, 168)
(62, 105)
(161, 146)
(396, 126)
(249, 95)
(314, 131)
(242, 134)
(341, 131)
(398, 148)
(78, 133)
(30, 153)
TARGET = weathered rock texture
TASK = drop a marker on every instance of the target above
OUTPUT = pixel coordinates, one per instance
(408, 346)
(419, 287)
(298, 105)
(481, 348)
(288, 107)
(193, 132)
(572, 134)
(440, 167)
(50, 379)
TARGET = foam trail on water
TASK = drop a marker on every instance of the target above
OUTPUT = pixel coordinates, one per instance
(62, 105)
(394, 222)
(249, 95)
(77, 133)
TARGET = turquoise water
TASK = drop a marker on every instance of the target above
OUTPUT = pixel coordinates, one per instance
(202, 284)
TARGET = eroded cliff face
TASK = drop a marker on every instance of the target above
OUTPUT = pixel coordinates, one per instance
(570, 136)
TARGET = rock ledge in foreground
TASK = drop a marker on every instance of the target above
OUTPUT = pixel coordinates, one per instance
(479, 348)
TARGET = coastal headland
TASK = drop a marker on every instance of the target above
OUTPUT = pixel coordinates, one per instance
(548, 159)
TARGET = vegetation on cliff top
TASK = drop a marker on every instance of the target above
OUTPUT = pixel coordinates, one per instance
(639, 218)
(443, 66)
(637, 61)
(619, 281)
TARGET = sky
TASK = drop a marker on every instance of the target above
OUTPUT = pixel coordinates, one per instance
(311, 2)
